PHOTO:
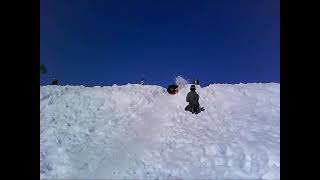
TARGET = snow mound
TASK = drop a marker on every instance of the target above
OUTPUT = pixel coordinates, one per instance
(135, 131)
(181, 82)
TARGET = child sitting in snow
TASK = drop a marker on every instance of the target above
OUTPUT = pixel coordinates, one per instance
(193, 99)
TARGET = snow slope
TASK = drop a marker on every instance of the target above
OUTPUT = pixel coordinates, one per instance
(135, 131)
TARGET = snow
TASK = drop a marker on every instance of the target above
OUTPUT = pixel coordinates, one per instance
(181, 82)
(135, 131)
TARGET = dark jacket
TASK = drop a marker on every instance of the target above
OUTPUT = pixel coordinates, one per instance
(193, 99)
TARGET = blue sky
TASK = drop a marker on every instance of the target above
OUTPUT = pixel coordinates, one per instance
(105, 42)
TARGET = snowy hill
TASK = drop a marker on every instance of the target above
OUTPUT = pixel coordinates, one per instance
(135, 131)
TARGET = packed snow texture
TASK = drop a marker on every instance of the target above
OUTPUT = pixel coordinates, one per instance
(181, 82)
(135, 131)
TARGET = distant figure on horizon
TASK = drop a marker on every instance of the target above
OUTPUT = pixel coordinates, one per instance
(54, 81)
(196, 82)
(142, 82)
(193, 99)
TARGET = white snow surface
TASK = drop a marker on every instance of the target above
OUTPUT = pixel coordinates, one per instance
(142, 132)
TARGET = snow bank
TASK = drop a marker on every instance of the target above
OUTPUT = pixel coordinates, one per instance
(135, 131)
(181, 82)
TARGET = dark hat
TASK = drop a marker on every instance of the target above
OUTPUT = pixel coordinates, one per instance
(193, 87)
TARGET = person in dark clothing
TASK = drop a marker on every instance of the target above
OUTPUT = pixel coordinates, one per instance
(193, 99)
(55, 81)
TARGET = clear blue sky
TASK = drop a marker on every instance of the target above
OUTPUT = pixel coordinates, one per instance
(102, 42)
